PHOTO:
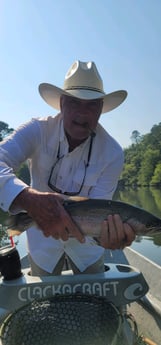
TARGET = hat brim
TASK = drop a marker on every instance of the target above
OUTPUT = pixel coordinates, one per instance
(51, 95)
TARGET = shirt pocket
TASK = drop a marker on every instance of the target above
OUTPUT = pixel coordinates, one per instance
(45, 163)
(41, 167)
(91, 173)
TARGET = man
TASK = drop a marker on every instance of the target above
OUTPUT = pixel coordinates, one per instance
(70, 154)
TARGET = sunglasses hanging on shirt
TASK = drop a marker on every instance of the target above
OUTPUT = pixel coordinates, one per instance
(86, 164)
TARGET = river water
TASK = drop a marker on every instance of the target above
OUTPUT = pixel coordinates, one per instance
(150, 200)
(147, 198)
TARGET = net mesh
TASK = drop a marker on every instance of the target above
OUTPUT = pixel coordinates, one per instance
(63, 320)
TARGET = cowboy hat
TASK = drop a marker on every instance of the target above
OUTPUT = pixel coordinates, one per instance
(84, 82)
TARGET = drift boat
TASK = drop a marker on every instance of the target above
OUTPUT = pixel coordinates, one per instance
(105, 308)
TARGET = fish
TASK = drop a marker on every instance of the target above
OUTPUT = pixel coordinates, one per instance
(89, 214)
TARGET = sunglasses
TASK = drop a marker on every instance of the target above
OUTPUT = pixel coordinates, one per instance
(53, 169)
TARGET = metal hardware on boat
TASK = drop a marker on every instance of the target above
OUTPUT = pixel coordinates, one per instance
(10, 265)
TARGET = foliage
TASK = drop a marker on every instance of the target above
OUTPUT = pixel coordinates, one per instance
(143, 159)
(135, 137)
(148, 165)
(23, 173)
(4, 130)
(156, 178)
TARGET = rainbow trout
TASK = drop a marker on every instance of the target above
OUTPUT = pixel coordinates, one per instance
(89, 214)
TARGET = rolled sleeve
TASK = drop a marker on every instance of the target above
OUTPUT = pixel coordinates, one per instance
(13, 151)
(10, 187)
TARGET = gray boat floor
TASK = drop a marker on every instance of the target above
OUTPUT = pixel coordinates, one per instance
(147, 312)
(149, 324)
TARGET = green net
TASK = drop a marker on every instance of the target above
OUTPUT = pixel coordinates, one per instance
(63, 320)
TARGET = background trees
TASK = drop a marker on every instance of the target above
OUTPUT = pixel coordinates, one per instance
(23, 172)
(4, 130)
(143, 159)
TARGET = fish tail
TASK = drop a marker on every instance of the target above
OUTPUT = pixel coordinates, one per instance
(13, 233)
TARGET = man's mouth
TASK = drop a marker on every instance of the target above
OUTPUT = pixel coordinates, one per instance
(84, 125)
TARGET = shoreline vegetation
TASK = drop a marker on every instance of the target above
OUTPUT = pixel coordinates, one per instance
(142, 167)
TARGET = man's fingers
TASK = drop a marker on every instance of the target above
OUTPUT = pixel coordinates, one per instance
(129, 233)
(64, 234)
(119, 227)
(104, 239)
(113, 233)
(73, 229)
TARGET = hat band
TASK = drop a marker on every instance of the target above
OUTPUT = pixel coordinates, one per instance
(84, 88)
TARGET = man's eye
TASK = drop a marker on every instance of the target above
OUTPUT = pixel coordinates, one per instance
(74, 103)
(93, 104)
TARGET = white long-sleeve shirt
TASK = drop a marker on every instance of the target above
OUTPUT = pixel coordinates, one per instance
(39, 141)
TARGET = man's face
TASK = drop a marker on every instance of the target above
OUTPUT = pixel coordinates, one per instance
(80, 116)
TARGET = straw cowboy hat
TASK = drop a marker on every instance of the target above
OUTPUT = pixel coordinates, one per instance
(84, 82)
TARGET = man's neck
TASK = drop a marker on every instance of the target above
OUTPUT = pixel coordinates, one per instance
(73, 143)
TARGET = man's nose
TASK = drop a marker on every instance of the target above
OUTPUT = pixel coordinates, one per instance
(83, 109)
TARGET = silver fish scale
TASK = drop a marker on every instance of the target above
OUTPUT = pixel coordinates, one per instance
(89, 214)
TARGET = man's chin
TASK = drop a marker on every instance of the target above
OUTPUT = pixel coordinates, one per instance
(79, 132)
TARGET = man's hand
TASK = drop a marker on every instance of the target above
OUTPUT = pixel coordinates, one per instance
(47, 211)
(115, 234)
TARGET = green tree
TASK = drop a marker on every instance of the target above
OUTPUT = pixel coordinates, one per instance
(156, 178)
(4, 130)
(148, 165)
(135, 137)
(23, 173)
(133, 159)
(129, 175)
(142, 159)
